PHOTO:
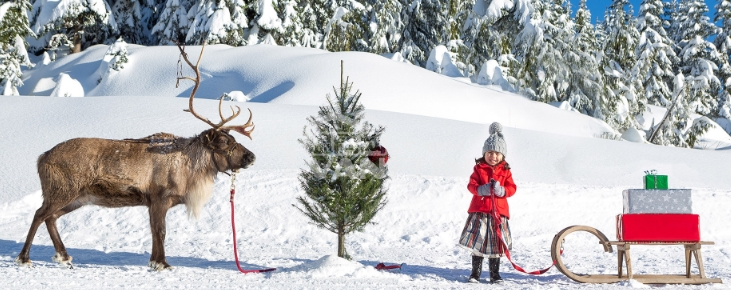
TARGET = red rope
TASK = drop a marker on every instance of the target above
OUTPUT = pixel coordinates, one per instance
(233, 227)
(497, 221)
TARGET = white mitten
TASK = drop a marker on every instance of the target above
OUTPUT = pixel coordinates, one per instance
(498, 189)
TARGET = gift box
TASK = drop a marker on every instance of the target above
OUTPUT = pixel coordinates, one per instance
(658, 227)
(654, 181)
(657, 201)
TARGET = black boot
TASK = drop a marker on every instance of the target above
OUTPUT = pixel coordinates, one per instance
(494, 264)
(476, 269)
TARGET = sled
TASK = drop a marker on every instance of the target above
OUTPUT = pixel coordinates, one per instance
(692, 249)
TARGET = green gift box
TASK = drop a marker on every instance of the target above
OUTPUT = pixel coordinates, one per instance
(653, 181)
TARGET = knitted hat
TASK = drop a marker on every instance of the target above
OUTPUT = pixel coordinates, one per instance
(495, 142)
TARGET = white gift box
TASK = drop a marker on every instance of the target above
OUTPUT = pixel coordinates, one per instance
(657, 201)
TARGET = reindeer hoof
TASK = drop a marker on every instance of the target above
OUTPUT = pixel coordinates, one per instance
(25, 262)
(156, 266)
(62, 259)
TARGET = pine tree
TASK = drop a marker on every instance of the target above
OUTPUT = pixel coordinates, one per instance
(385, 26)
(211, 22)
(77, 23)
(348, 29)
(622, 103)
(698, 57)
(655, 55)
(266, 23)
(425, 27)
(172, 25)
(491, 30)
(586, 85)
(128, 14)
(344, 190)
(678, 127)
(13, 55)
(543, 74)
(723, 44)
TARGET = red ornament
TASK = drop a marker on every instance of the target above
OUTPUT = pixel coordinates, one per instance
(378, 155)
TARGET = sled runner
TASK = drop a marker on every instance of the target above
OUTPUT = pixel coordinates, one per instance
(692, 249)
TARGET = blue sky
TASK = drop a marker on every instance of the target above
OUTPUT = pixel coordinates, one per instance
(597, 7)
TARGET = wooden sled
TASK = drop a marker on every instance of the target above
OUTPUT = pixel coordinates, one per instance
(623, 257)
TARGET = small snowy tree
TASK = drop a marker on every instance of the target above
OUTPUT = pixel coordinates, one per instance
(114, 59)
(344, 190)
(13, 55)
(76, 23)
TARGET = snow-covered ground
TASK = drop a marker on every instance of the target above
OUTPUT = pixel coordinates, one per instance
(435, 127)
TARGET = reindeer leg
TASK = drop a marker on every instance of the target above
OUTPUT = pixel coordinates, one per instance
(61, 256)
(158, 210)
(24, 256)
(42, 214)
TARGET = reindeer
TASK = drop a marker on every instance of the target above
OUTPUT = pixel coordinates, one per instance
(159, 171)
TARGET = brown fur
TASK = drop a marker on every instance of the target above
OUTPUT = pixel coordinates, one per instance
(159, 171)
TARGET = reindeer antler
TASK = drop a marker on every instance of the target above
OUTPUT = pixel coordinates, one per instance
(197, 80)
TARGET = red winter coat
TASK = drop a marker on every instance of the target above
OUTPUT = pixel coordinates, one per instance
(481, 175)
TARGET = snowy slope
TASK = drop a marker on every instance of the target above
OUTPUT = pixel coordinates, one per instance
(302, 76)
(564, 175)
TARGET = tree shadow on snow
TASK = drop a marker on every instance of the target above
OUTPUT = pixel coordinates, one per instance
(88, 257)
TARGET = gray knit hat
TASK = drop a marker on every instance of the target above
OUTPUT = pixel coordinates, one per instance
(495, 142)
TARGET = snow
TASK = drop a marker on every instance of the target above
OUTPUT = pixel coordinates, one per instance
(435, 127)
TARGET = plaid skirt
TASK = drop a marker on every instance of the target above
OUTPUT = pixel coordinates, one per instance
(479, 235)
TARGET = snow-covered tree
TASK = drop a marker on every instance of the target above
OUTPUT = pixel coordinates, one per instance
(210, 22)
(293, 32)
(655, 55)
(723, 44)
(699, 59)
(425, 27)
(543, 73)
(385, 26)
(172, 25)
(343, 189)
(128, 14)
(491, 29)
(114, 59)
(586, 84)
(265, 22)
(678, 127)
(75, 23)
(13, 55)
(340, 33)
(622, 104)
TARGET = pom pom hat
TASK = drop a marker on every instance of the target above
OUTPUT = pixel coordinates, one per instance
(495, 142)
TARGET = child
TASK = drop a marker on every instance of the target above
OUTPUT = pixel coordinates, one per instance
(491, 176)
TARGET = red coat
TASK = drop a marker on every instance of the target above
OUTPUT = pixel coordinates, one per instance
(481, 175)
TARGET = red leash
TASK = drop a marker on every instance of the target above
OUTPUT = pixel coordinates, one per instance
(497, 221)
(233, 227)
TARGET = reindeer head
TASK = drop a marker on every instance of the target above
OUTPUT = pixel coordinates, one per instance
(227, 153)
